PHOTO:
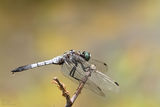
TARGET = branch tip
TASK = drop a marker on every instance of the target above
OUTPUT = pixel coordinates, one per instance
(65, 93)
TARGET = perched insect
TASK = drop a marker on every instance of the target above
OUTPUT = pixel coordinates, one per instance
(74, 65)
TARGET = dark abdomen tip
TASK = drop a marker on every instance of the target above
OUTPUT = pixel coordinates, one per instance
(22, 68)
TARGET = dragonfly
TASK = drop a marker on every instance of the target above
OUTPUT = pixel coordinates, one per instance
(74, 65)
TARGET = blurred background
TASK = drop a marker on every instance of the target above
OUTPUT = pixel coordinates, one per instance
(123, 33)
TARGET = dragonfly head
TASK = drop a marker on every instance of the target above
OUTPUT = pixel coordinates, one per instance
(86, 55)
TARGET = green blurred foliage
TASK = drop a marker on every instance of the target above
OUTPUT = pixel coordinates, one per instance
(123, 33)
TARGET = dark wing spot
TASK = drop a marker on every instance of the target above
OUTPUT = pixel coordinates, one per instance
(99, 88)
(116, 83)
(105, 64)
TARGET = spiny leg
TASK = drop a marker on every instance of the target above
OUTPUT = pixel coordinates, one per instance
(72, 72)
(83, 67)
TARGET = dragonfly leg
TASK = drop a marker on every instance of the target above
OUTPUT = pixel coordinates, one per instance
(72, 72)
(83, 67)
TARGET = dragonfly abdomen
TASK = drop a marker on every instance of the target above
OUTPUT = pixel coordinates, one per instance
(30, 66)
(56, 60)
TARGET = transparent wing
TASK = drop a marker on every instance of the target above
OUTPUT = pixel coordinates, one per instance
(104, 82)
(79, 73)
(100, 65)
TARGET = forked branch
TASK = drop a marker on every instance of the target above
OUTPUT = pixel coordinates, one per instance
(70, 101)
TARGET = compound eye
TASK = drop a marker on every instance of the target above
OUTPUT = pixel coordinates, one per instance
(87, 56)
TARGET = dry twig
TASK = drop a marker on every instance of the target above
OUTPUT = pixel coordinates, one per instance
(70, 101)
